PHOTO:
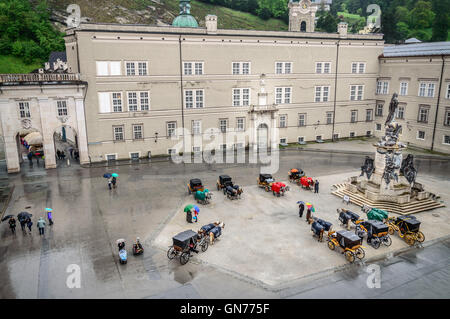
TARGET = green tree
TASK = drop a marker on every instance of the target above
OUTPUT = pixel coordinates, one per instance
(441, 24)
(403, 30)
(422, 16)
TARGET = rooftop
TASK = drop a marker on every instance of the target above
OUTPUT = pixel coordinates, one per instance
(417, 49)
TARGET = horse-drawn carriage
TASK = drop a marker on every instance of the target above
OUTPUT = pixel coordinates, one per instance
(376, 231)
(195, 185)
(184, 243)
(319, 226)
(231, 190)
(346, 216)
(407, 228)
(349, 242)
(279, 188)
(295, 175)
(265, 181)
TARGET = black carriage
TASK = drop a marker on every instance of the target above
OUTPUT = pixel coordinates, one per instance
(223, 182)
(195, 185)
(295, 174)
(408, 228)
(376, 231)
(184, 243)
(265, 181)
(349, 242)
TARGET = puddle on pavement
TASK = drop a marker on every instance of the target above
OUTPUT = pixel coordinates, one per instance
(182, 273)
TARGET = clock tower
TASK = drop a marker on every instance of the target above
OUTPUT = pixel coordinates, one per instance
(302, 15)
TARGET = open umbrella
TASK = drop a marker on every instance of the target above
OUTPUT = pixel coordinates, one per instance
(107, 175)
(49, 209)
(301, 202)
(310, 207)
(34, 138)
(197, 209)
(188, 208)
(114, 175)
(7, 217)
(23, 215)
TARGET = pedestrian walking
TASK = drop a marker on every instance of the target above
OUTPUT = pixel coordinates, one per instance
(308, 215)
(71, 152)
(316, 186)
(29, 224)
(301, 209)
(23, 222)
(110, 183)
(58, 154)
(12, 225)
(114, 181)
(49, 217)
(77, 155)
(63, 156)
(41, 226)
(30, 158)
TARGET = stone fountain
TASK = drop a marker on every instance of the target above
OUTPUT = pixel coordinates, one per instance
(389, 182)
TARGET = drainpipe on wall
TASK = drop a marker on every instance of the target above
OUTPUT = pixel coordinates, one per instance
(335, 88)
(181, 91)
(438, 102)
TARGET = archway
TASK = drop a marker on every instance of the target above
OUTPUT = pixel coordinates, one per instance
(303, 26)
(65, 140)
(263, 136)
(30, 147)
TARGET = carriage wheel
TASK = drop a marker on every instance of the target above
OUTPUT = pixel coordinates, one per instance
(331, 245)
(387, 240)
(349, 256)
(171, 253)
(409, 239)
(400, 233)
(420, 237)
(391, 230)
(360, 253)
(376, 243)
(204, 246)
(184, 258)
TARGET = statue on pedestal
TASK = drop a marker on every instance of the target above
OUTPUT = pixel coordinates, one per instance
(368, 167)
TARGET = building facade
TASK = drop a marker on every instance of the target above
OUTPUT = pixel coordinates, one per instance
(145, 81)
(420, 75)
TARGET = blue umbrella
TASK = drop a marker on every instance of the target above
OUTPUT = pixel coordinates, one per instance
(49, 209)
(197, 209)
(107, 175)
(301, 202)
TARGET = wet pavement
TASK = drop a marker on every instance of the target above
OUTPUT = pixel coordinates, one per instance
(89, 218)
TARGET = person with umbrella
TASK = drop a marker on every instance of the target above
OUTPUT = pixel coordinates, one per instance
(310, 208)
(29, 223)
(188, 210)
(301, 208)
(109, 177)
(114, 179)
(196, 211)
(49, 216)
(23, 217)
(41, 226)
(12, 224)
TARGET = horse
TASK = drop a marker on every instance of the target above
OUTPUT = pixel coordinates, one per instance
(216, 231)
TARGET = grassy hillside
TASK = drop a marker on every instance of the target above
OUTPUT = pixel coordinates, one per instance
(11, 64)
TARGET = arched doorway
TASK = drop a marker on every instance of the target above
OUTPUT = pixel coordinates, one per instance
(66, 144)
(263, 136)
(30, 147)
(303, 26)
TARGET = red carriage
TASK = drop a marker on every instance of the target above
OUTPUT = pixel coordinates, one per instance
(307, 182)
(279, 188)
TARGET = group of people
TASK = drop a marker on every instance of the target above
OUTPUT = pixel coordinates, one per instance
(26, 222)
(301, 208)
(74, 154)
(112, 182)
(35, 155)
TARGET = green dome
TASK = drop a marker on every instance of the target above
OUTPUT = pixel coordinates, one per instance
(185, 21)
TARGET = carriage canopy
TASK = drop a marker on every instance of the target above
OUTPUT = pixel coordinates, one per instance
(348, 239)
(183, 239)
(408, 223)
(224, 179)
(375, 226)
(195, 182)
(265, 177)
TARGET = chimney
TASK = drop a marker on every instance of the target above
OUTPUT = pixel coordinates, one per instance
(342, 29)
(211, 23)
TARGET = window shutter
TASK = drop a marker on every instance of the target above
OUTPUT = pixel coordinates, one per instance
(104, 102)
(115, 68)
(102, 68)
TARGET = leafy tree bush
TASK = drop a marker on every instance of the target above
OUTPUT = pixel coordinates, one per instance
(26, 30)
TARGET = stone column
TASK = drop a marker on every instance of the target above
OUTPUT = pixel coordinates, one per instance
(82, 134)
(47, 113)
(8, 132)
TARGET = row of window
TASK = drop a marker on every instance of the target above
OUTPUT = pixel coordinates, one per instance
(426, 89)
(140, 68)
(24, 109)
(140, 100)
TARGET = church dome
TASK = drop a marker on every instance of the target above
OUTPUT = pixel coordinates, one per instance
(185, 20)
